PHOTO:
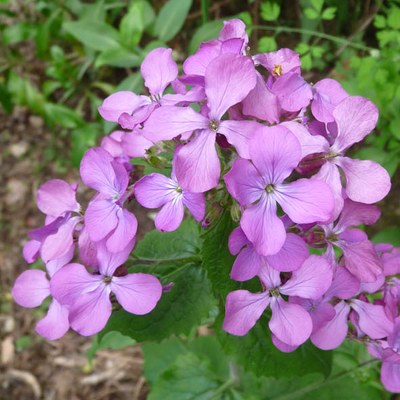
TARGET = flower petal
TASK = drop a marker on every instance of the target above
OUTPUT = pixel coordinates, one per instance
(100, 173)
(155, 190)
(71, 281)
(56, 197)
(372, 319)
(242, 310)
(134, 144)
(263, 228)
(290, 323)
(158, 70)
(305, 200)
(170, 216)
(92, 310)
(366, 181)
(124, 232)
(332, 334)
(228, 80)
(247, 265)
(31, 288)
(244, 182)
(291, 256)
(137, 293)
(293, 91)
(237, 240)
(55, 324)
(238, 134)
(121, 102)
(101, 218)
(197, 163)
(311, 281)
(355, 117)
(174, 121)
(254, 105)
(390, 376)
(196, 204)
(275, 152)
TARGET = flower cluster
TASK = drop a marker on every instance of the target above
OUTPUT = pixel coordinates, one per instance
(281, 145)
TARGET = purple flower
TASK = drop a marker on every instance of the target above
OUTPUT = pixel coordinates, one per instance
(366, 181)
(156, 190)
(389, 352)
(54, 241)
(290, 323)
(248, 263)
(259, 186)
(228, 80)
(158, 70)
(279, 62)
(360, 256)
(105, 217)
(371, 318)
(88, 295)
(30, 290)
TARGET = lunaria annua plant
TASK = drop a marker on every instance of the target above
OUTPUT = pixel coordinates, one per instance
(246, 133)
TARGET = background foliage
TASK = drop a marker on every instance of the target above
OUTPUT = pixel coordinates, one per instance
(61, 58)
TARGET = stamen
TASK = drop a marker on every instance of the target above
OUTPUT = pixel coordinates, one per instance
(213, 125)
(107, 279)
(277, 71)
(270, 188)
(274, 292)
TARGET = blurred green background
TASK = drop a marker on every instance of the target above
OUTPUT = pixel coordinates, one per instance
(60, 58)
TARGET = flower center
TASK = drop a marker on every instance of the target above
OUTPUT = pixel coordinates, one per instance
(277, 71)
(213, 125)
(332, 237)
(269, 188)
(107, 279)
(178, 189)
(274, 292)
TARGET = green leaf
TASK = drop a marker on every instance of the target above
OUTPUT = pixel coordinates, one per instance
(317, 5)
(256, 353)
(387, 159)
(171, 18)
(180, 310)
(393, 18)
(139, 16)
(133, 82)
(217, 260)
(329, 13)
(206, 32)
(388, 235)
(188, 378)
(17, 32)
(183, 243)
(111, 340)
(266, 44)
(5, 99)
(270, 11)
(160, 356)
(380, 22)
(310, 13)
(57, 114)
(82, 138)
(93, 34)
(118, 57)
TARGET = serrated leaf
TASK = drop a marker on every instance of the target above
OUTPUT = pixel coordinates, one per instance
(93, 34)
(329, 13)
(180, 310)
(270, 11)
(217, 260)
(183, 243)
(206, 32)
(118, 57)
(171, 18)
(256, 353)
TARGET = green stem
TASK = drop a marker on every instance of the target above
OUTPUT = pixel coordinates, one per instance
(205, 14)
(314, 386)
(216, 395)
(338, 40)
